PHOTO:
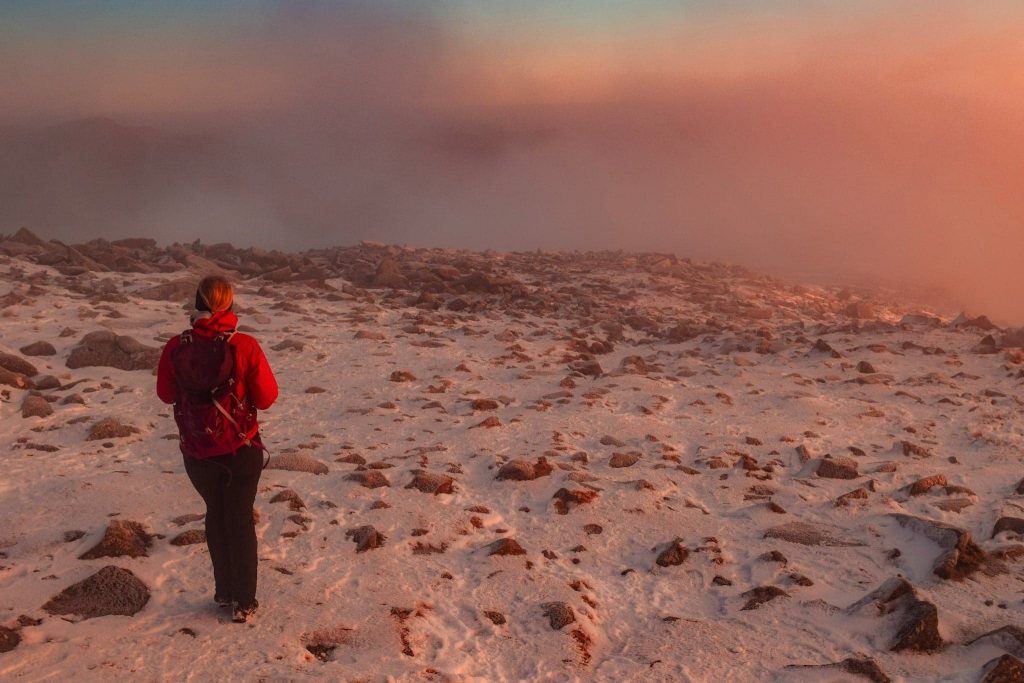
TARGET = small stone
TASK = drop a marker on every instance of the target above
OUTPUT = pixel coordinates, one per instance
(190, 537)
(1004, 669)
(567, 499)
(505, 546)
(760, 595)
(121, 539)
(497, 618)
(837, 468)
(366, 538)
(370, 479)
(619, 460)
(402, 376)
(289, 496)
(110, 428)
(429, 482)
(674, 554)
(559, 614)
(922, 486)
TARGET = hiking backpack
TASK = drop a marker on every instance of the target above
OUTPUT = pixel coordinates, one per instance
(211, 420)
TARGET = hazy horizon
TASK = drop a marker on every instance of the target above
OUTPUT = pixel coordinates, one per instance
(879, 141)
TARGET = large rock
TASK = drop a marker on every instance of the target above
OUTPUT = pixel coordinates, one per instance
(111, 590)
(366, 538)
(916, 621)
(106, 349)
(1004, 669)
(863, 667)
(17, 365)
(430, 482)
(121, 539)
(505, 546)
(297, 462)
(521, 470)
(35, 406)
(39, 348)
(673, 554)
(110, 428)
(559, 614)
(14, 379)
(960, 556)
(175, 290)
(807, 533)
(371, 479)
(837, 468)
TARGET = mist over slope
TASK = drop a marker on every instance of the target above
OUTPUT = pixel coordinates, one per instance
(849, 145)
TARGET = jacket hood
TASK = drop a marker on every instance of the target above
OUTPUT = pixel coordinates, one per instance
(218, 323)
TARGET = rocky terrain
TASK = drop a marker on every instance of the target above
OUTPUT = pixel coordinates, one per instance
(514, 466)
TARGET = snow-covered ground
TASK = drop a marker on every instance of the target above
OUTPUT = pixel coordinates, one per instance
(727, 442)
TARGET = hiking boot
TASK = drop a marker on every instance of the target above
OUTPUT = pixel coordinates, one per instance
(241, 614)
(222, 601)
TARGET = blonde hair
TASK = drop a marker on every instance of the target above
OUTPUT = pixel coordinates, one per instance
(216, 292)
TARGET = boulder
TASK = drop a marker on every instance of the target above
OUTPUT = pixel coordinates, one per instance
(297, 462)
(17, 365)
(1004, 669)
(960, 556)
(916, 621)
(505, 546)
(808, 533)
(366, 538)
(110, 428)
(175, 290)
(35, 406)
(760, 595)
(429, 482)
(863, 667)
(111, 590)
(121, 539)
(673, 554)
(190, 537)
(567, 499)
(619, 460)
(837, 468)
(106, 349)
(559, 614)
(39, 348)
(521, 470)
(371, 479)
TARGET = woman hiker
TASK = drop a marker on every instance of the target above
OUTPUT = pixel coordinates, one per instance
(217, 378)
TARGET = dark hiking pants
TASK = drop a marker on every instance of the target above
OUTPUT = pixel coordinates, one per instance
(228, 484)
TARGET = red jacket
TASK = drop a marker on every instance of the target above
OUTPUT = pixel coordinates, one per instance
(254, 380)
